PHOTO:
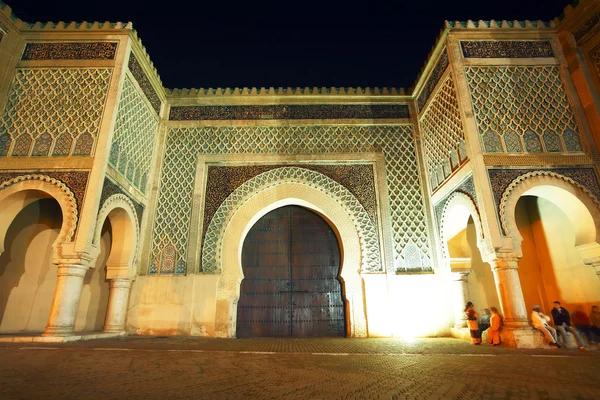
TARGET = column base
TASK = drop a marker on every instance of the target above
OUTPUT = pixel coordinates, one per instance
(58, 331)
(525, 337)
(114, 329)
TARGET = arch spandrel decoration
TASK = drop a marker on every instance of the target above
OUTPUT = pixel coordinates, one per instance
(369, 240)
(531, 181)
(122, 202)
(53, 188)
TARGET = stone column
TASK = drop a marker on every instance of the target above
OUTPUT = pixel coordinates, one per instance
(510, 294)
(66, 300)
(118, 299)
(460, 296)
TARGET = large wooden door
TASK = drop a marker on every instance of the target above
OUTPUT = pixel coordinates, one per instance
(291, 262)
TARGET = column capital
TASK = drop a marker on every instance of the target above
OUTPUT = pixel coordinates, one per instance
(72, 270)
(503, 260)
(120, 282)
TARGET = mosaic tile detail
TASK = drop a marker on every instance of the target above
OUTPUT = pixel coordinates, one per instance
(185, 144)
(587, 26)
(507, 49)
(63, 145)
(134, 137)
(500, 179)
(42, 145)
(441, 134)
(5, 142)
(221, 181)
(289, 111)
(527, 100)
(434, 78)
(110, 188)
(571, 140)
(138, 73)
(552, 142)
(371, 258)
(76, 181)
(512, 142)
(70, 51)
(55, 101)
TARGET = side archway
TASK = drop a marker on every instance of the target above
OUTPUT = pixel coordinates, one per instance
(580, 206)
(251, 209)
(17, 193)
(122, 260)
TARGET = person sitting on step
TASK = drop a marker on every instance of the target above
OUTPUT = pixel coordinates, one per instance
(562, 324)
(540, 322)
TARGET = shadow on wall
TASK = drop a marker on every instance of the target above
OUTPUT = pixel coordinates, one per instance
(27, 275)
(551, 267)
(482, 287)
(95, 291)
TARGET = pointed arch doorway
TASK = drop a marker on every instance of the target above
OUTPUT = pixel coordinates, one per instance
(291, 287)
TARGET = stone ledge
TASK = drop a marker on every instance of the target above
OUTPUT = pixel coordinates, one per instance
(61, 339)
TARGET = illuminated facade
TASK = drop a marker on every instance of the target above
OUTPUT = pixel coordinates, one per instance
(480, 183)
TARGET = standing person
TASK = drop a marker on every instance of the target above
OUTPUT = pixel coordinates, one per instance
(583, 323)
(494, 329)
(540, 322)
(562, 324)
(595, 316)
(472, 323)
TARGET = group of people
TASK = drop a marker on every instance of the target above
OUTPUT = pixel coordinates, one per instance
(490, 322)
(562, 319)
(579, 322)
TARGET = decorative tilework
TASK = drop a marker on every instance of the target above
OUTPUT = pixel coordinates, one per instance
(369, 240)
(513, 142)
(184, 145)
(84, 145)
(22, 145)
(70, 51)
(42, 145)
(138, 73)
(500, 179)
(527, 100)
(76, 181)
(55, 101)
(507, 49)
(110, 188)
(571, 140)
(441, 134)
(63, 145)
(5, 142)
(491, 142)
(221, 181)
(466, 187)
(552, 142)
(289, 111)
(434, 77)
(134, 137)
(587, 26)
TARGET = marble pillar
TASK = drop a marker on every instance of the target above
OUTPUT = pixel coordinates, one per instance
(118, 299)
(460, 296)
(510, 294)
(66, 300)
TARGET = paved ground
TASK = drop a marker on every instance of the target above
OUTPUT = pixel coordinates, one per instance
(190, 368)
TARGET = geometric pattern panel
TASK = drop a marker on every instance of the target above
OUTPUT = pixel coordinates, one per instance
(530, 101)
(185, 144)
(70, 51)
(134, 137)
(434, 77)
(144, 83)
(51, 102)
(507, 49)
(442, 134)
(366, 229)
(110, 188)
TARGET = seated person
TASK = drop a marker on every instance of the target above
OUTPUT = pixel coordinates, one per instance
(583, 323)
(562, 324)
(540, 322)
(484, 321)
(494, 329)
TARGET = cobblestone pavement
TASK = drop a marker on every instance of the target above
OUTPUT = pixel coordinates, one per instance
(191, 368)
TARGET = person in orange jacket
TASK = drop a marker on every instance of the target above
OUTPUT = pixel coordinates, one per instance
(494, 329)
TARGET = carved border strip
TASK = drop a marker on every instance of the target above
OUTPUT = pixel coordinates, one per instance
(70, 51)
(507, 49)
(144, 82)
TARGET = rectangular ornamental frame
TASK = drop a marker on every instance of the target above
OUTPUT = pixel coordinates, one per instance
(70, 51)
(507, 49)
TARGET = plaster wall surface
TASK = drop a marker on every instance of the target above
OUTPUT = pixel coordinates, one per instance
(482, 288)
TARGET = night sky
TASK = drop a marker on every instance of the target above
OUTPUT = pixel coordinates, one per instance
(287, 43)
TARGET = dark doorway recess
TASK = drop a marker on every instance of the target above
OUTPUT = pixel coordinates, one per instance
(291, 263)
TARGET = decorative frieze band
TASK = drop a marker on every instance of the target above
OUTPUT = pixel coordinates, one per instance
(507, 49)
(295, 111)
(70, 51)
(144, 82)
(433, 79)
(587, 26)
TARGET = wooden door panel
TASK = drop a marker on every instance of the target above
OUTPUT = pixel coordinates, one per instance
(291, 262)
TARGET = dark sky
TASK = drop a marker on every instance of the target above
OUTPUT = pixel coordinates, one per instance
(223, 43)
